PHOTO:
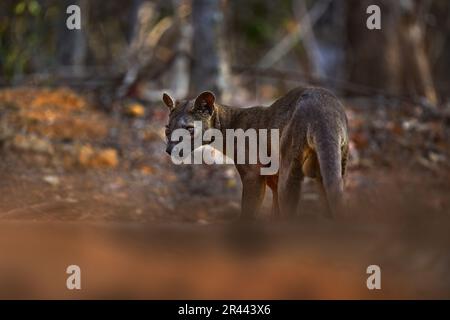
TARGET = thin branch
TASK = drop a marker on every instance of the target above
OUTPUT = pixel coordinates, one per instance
(340, 84)
(289, 41)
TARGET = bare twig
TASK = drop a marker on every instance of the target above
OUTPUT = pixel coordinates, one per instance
(288, 42)
(309, 40)
(345, 86)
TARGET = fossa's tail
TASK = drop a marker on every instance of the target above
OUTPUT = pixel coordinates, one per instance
(332, 165)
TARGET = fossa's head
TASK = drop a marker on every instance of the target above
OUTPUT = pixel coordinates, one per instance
(183, 114)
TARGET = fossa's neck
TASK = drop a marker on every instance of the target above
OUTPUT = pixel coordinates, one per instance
(234, 117)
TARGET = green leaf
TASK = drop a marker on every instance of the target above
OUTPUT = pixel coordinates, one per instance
(20, 7)
(34, 8)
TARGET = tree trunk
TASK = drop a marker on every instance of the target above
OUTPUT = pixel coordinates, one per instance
(394, 58)
(209, 69)
(72, 44)
(179, 71)
(133, 26)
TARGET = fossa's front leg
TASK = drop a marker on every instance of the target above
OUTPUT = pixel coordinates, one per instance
(253, 190)
(272, 183)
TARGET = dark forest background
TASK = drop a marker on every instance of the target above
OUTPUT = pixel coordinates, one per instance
(227, 46)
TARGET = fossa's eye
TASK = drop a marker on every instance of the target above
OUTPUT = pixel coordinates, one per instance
(190, 129)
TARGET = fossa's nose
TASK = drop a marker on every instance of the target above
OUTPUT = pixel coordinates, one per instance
(171, 147)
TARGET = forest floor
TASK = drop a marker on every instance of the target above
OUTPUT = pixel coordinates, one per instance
(80, 186)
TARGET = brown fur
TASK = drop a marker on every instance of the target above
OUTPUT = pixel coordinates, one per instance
(313, 143)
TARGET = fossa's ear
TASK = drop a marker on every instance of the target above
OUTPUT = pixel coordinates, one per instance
(205, 102)
(168, 101)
